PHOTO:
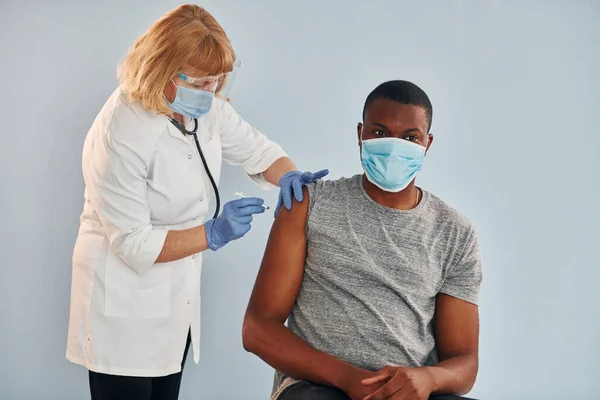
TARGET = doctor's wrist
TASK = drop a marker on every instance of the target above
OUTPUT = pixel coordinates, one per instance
(214, 240)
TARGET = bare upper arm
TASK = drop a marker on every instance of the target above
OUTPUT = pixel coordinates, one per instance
(456, 326)
(282, 268)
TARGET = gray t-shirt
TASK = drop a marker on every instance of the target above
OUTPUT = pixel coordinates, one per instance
(372, 275)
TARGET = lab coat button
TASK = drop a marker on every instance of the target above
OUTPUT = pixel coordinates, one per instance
(201, 198)
(189, 302)
(189, 156)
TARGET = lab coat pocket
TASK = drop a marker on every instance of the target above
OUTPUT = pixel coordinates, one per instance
(131, 295)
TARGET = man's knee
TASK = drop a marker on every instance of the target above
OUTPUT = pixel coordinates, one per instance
(311, 391)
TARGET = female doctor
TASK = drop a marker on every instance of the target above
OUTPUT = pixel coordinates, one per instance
(151, 164)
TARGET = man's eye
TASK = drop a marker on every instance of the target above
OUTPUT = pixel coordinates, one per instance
(379, 133)
(412, 138)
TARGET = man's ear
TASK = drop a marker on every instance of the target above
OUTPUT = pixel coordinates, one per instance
(429, 142)
(359, 131)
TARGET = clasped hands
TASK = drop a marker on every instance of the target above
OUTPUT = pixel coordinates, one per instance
(390, 383)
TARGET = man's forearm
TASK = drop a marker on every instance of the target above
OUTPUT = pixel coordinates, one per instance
(292, 356)
(455, 375)
(278, 169)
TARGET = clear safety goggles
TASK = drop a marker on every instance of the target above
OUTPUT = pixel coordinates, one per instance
(208, 83)
(212, 83)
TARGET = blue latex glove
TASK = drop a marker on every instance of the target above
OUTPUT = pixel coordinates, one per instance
(291, 183)
(233, 222)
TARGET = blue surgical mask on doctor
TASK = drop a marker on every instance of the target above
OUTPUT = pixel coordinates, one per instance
(194, 103)
(391, 163)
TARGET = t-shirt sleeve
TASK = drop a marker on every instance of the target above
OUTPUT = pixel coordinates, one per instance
(314, 190)
(463, 280)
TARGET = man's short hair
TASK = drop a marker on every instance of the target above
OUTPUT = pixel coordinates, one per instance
(403, 92)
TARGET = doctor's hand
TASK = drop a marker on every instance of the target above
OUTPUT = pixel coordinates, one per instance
(401, 384)
(233, 222)
(291, 184)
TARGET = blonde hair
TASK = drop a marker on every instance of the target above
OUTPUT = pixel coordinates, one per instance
(188, 35)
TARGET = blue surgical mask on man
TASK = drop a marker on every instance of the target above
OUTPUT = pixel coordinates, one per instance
(193, 103)
(391, 164)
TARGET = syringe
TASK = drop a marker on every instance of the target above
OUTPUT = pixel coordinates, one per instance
(241, 196)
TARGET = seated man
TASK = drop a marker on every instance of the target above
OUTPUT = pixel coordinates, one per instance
(379, 278)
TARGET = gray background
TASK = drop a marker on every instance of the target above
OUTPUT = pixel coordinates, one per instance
(516, 96)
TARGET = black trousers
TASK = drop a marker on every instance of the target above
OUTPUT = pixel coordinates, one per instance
(311, 391)
(113, 387)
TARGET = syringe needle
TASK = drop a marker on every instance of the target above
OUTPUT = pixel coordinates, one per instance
(241, 196)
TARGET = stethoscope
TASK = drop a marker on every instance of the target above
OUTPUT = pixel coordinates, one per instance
(193, 133)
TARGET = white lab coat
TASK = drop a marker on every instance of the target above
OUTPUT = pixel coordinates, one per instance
(143, 177)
